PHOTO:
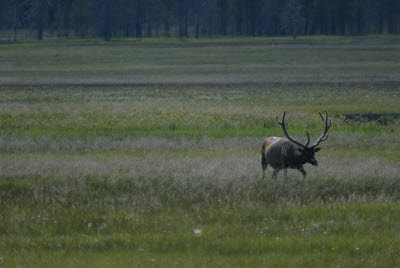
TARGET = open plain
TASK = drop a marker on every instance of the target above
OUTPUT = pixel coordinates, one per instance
(147, 152)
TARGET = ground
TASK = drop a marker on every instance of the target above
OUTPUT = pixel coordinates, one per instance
(147, 152)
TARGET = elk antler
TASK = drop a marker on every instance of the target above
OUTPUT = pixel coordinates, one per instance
(323, 137)
(287, 134)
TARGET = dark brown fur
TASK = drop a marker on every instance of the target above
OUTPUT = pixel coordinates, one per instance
(285, 152)
(280, 153)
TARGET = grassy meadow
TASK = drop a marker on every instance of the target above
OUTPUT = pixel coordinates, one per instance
(147, 152)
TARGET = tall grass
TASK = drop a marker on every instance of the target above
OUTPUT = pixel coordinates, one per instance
(182, 179)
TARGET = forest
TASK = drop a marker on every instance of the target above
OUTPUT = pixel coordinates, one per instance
(41, 19)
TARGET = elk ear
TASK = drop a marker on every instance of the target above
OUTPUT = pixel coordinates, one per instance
(316, 149)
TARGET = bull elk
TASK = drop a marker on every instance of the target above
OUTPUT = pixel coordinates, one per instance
(285, 152)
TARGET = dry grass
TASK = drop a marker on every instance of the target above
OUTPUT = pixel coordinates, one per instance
(227, 165)
(203, 178)
(196, 80)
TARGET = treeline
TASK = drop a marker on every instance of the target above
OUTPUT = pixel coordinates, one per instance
(198, 18)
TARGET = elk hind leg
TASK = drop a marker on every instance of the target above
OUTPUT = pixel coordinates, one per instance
(264, 165)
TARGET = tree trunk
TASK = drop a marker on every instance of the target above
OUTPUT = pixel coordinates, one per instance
(186, 27)
(359, 20)
(107, 21)
(139, 19)
(181, 20)
(197, 30)
(15, 21)
(294, 33)
(166, 28)
(40, 31)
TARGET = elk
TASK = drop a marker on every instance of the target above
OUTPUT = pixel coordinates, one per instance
(285, 152)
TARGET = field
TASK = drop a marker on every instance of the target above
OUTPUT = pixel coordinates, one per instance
(147, 152)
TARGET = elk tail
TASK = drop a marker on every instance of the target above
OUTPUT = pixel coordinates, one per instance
(262, 147)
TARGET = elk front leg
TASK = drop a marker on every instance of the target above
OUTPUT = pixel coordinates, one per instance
(275, 173)
(301, 169)
(285, 172)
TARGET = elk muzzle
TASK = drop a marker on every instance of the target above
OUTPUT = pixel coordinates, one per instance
(314, 162)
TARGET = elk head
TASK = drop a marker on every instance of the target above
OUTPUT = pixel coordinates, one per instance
(306, 153)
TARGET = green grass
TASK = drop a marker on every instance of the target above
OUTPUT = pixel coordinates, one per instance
(334, 234)
(147, 152)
